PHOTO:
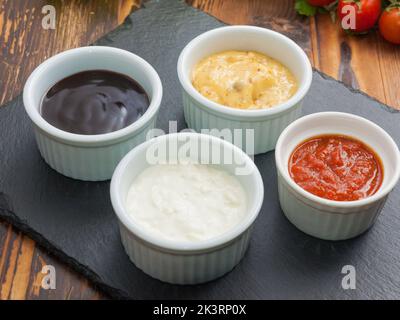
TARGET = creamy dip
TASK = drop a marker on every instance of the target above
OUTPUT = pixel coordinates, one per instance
(244, 80)
(186, 202)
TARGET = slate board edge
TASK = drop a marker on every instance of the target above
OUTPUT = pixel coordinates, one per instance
(85, 271)
(9, 216)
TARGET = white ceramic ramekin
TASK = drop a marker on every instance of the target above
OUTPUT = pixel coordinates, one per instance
(202, 113)
(186, 262)
(89, 157)
(328, 219)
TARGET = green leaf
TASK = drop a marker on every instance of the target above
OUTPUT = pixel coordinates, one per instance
(322, 10)
(304, 8)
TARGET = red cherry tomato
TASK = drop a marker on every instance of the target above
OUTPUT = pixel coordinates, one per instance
(389, 25)
(366, 13)
(320, 3)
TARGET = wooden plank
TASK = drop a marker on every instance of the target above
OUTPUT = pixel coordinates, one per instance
(22, 270)
(21, 263)
(69, 285)
(9, 268)
(25, 44)
(274, 14)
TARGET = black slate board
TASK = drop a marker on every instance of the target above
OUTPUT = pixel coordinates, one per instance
(75, 221)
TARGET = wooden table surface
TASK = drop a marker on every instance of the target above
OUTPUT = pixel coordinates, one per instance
(366, 62)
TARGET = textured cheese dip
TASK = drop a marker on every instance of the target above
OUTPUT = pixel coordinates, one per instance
(186, 202)
(244, 80)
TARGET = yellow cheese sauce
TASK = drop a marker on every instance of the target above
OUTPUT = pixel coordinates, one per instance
(244, 80)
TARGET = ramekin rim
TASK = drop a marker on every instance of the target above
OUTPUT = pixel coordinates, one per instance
(381, 193)
(226, 110)
(181, 246)
(62, 135)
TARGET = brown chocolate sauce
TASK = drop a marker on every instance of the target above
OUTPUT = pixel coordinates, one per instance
(94, 102)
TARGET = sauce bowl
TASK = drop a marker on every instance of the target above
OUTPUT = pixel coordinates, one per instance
(184, 262)
(202, 113)
(329, 219)
(89, 157)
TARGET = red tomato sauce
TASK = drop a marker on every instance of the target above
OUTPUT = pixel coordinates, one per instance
(336, 167)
